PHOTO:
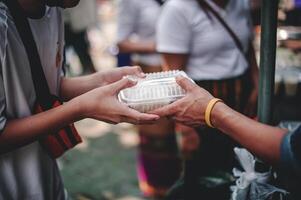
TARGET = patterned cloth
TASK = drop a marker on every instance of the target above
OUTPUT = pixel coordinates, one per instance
(158, 164)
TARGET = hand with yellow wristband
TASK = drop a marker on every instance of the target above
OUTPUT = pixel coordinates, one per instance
(194, 109)
(199, 107)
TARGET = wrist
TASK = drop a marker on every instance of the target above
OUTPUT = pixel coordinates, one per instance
(97, 80)
(78, 108)
(219, 114)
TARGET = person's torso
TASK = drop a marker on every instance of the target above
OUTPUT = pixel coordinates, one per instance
(83, 16)
(148, 12)
(28, 172)
(213, 53)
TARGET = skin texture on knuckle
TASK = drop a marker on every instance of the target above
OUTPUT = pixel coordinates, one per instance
(175, 109)
(128, 83)
(135, 118)
(137, 68)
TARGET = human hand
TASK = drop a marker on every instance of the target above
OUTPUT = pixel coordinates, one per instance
(190, 110)
(74, 87)
(111, 76)
(102, 104)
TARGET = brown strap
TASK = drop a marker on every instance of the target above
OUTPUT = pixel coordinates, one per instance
(207, 7)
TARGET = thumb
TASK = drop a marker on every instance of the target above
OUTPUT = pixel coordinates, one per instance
(123, 84)
(185, 83)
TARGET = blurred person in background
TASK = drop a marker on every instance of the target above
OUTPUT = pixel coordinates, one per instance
(28, 169)
(158, 164)
(292, 10)
(78, 20)
(190, 37)
(292, 17)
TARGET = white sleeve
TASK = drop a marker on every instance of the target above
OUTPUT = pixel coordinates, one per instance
(249, 17)
(173, 31)
(3, 118)
(127, 18)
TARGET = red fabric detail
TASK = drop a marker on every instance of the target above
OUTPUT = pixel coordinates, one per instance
(38, 109)
(56, 104)
(76, 134)
(52, 146)
(50, 142)
(62, 133)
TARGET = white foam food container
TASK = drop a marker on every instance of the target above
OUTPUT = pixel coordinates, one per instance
(154, 91)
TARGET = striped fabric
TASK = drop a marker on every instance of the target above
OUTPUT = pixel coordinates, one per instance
(58, 143)
(216, 150)
(234, 92)
(158, 164)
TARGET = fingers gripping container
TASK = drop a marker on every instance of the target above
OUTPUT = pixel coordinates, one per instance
(154, 91)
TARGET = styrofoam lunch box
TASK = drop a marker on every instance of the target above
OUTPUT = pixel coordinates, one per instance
(154, 91)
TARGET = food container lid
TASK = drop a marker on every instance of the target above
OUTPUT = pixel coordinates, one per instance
(156, 89)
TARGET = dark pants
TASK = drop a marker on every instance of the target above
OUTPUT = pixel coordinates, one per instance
(79, 42)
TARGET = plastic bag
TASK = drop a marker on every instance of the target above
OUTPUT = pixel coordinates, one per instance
(250, 184)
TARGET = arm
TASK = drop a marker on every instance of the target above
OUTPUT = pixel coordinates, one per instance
(294, 45)
(174, 61)
(73, 87)
(20, 132)
(128, 18)
(128, 46)
(100, 103)
(174, 48)
(260, 139)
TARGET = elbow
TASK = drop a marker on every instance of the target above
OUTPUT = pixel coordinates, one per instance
(123, 47)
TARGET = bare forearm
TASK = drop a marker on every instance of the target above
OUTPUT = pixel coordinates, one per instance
(20, 132)
(136, 47)
(174, 61)
(262, 140)
(73, 87)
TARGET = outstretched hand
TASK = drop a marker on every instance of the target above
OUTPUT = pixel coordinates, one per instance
(111, 76)
(102, 104)
(190, 110)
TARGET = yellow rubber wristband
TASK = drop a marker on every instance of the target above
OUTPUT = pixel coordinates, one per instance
(209, 109)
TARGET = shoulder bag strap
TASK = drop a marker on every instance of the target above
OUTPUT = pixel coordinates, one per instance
(40, 82)
(160, 2)
(205, 5)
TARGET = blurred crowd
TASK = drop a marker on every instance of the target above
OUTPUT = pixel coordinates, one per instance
(213, 43)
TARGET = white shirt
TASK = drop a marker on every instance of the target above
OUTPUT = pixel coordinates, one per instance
(138, 19)
(83, 16)
(28, 173)
(184, 28)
